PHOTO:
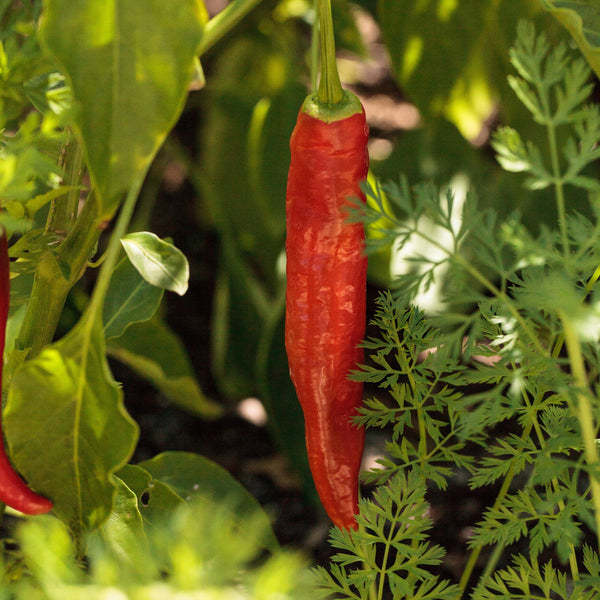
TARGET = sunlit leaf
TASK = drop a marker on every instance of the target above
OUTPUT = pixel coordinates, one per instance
(129, 65)
(67, 429)
(157, 261)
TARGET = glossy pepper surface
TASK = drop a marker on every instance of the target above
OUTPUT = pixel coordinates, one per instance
(13, 491)
(326, 297)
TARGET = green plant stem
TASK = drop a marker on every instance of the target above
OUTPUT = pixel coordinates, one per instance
(57, 272)
(407, 369)
(558, 188)
(584, 412)
(60, 268)
(560, 340)
(490, 565)
(592, 280)
(63, 211)
(223, 22)
(555, 162)
(330, 86)
(385, 558)
(314, 48)
(475, 553)
(500, 295)
(94, 309)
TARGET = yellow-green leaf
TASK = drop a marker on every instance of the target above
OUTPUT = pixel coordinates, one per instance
(581, 18)
(67, 429)
(129, 65)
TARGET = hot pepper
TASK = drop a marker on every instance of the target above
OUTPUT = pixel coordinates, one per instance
(326, 283)
(13, 491)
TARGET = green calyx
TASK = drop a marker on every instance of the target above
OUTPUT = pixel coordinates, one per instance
(328, 112)
(331, 102)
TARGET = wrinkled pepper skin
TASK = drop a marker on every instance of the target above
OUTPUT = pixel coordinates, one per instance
(13, 491)
(326, 300)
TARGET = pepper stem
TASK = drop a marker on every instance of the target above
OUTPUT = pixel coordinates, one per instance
(330, 86)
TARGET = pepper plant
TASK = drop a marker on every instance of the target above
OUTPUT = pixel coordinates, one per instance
(89, 93)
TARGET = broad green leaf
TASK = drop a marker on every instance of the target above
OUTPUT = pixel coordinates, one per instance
(253, 110)
(156, 501)
(581, 18)
(67, 429)
(194, 477)
(157, 261)
(155, 353)
(268, 153)
(123, 535)
(451, 57)
(235, 332)
(129, 299)
(129, 65)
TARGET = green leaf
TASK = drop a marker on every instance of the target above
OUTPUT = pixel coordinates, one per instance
(358, 564)
(129, 299)
(192, 477)
(155, 500)
(157, 261)
(129, 65)
(581, 18)
(123, 535)
(268, 157)
(449, 57)
(250, 116)
(235, 332)
(67, 429)
(199, 550)
(155, 353)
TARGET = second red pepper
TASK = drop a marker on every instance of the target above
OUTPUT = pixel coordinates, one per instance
(13, 491)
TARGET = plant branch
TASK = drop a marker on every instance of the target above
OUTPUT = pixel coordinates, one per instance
(584, 412)
(63, 211)
(488, 285)
(223, 22)
(57, 272)
(330, 86)
(558, 184)
(112, 253)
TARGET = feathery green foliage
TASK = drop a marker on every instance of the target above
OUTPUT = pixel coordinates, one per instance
(514, 341)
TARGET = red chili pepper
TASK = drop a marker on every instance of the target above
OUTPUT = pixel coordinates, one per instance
(326, 294)
(13, 491)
